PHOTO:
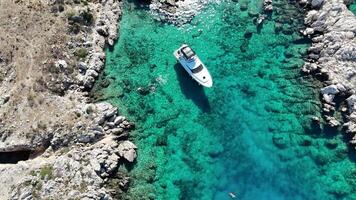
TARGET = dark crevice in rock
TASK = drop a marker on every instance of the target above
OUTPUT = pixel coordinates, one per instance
(15, 154)
(302, 40)
(13, 157)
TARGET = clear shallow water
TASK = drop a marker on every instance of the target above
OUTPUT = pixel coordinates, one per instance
(352, 7)
(250, 134)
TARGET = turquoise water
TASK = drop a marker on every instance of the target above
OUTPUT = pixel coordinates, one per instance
(249, 134)
(352, 7)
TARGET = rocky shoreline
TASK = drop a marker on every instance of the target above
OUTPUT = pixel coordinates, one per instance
(332, 59)
(176, 12)
(74, 148)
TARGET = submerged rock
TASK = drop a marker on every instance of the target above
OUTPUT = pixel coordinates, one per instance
(332, 122)
(267, 5)
(176, 12)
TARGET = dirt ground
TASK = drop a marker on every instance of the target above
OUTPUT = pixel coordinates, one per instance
(33, 36)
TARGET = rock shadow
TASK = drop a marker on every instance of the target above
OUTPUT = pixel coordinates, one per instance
(351, 153)
(191, 89)
(140, 4)
(14, 157)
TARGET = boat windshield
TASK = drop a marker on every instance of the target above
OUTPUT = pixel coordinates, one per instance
(188, 52)
(197, 69)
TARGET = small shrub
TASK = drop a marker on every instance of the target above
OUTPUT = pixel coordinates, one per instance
(33, 173)
(31, 98)
(46, 171)
(27, 183)
(83, 187)
(74, 28)
(65, 150)
(38, 186)
(2, 77)
(84, 2)
(87, 16)
(81, 53)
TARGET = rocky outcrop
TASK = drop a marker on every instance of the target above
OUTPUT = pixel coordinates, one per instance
(176, 12)
(127, 150)
(332, 58)
(104, 34)
(92, 160)
(77, 174)
(267, 5)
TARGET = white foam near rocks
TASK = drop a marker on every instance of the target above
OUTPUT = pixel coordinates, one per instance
(177, 13)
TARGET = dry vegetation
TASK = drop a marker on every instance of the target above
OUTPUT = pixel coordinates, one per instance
(43, 103)
(33, 36)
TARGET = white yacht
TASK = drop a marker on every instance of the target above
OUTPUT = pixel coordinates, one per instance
(193, 65)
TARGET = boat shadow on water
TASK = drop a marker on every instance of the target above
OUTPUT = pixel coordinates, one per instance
(191, 89)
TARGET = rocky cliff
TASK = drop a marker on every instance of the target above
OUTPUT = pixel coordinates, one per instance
(55, 143)
(332, 59)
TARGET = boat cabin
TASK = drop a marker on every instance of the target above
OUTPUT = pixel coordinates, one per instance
(188, 52)
(197, 69)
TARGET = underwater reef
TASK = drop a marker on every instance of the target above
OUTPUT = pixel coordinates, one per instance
(258, 133)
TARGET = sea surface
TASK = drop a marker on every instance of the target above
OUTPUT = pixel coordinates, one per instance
(251, 134)
(352, 7)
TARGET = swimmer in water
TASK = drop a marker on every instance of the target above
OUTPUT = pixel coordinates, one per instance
(232, 195)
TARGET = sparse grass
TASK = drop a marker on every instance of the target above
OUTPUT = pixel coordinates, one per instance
(70, 14)
(46, 171)
(64, 150)
(84, 2)
(31, 98)
(42, 125)
(33, 173)
(2, 77)
(37, 186)
(27, 183)
(83, 186)
(40, 85)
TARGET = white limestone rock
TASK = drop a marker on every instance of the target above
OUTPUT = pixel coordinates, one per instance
(317, 3)
(61, 64)
(330, 90)
(127, 150)
(351, 102)
(334, 29)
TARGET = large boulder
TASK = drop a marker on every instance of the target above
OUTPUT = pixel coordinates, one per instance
(104, 160)
(330, 90)
(127, 150)
(351, 102)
